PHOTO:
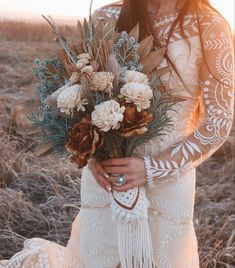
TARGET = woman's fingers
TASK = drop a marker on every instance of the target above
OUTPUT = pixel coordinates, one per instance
(117, 161)
(103, 183)
(100, 175)
(126, 165)
(106, 173)
(117, 169)
(99, 168)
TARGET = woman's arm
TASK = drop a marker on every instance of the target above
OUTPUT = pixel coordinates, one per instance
(217, 87)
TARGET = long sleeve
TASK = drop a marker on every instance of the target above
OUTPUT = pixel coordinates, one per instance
(217, 89)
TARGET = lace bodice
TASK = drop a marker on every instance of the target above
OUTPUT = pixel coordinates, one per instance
(202, 123)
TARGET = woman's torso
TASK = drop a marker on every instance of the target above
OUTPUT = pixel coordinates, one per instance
(186, 54)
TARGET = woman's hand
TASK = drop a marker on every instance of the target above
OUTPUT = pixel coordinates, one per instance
(100, 175)
(132, 168)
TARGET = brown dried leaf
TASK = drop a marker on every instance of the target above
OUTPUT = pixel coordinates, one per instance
(114, 67)
(80, 33)
(108, 31)
(95, 65)
(153, 60)
(145, 47)
(106, 54)
(110, 46)
(69, 34)
(102, 56)
(69, 66)
(135, 32)
(85, 27)
(84, 47)
(99, 29)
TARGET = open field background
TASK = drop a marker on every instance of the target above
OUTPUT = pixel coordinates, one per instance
(39, 197)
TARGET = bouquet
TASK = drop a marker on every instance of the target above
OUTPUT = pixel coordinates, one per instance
(101, 97)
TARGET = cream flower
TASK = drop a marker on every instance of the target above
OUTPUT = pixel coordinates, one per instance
(134, 76)
(70, 99)
(139, 94)
(75, 77)
(84, 56)
(87, 70)
(102, 81)
(108, 115)
(81, 63)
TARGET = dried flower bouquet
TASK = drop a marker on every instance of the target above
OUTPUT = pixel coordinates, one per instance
(101, 97)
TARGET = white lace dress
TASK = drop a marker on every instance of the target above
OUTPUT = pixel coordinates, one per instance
(201, 125)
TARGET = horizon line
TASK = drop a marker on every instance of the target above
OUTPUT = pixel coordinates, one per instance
(36, 17)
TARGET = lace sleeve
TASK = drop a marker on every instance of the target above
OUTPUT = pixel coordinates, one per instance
(106, 13)
(217, 88)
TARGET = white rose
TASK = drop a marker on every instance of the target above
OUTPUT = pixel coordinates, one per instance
(70, 99)
(139, 94)
(107, 115)
(134, 76)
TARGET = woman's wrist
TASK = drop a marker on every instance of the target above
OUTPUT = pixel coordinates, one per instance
(149, 176)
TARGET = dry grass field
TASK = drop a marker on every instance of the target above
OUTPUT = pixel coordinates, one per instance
(39, 197)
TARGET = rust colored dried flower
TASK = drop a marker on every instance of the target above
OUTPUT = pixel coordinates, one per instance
(84, 140)
(134, 122)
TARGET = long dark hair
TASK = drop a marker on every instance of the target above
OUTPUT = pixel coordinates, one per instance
(135, 12)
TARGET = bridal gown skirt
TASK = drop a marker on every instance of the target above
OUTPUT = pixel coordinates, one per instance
(93, 240)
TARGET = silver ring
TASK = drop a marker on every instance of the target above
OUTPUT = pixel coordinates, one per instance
(121, 179)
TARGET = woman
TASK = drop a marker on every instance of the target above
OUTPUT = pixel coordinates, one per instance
(200, 55)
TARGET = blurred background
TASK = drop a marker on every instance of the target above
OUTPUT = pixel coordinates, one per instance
(39, 197)
(70, 9)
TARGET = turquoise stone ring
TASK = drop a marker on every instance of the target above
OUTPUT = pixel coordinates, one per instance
(121, 179)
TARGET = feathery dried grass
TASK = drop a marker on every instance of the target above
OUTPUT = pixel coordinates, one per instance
(26, 31)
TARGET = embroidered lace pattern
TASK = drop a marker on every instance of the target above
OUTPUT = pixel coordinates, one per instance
(216, 83)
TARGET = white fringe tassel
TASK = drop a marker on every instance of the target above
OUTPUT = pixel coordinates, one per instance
(134, 238)
(135, 247)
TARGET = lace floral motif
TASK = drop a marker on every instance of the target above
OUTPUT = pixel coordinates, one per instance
(163, 27)
(108, 13)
